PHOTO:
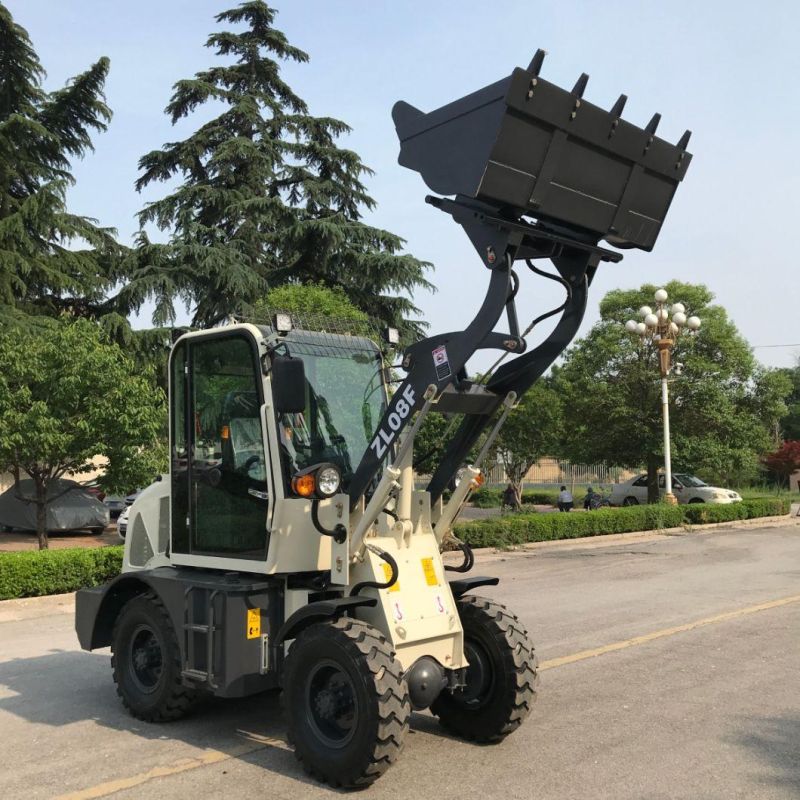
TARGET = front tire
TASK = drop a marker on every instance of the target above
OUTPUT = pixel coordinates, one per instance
(146, 661)
(697, 500)
(501, 678)
(630, 501)
(346, 701)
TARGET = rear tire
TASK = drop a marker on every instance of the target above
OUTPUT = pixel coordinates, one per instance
(146, 661)
(501, 678)
(697, 500)
(346, 701)
(630, 501)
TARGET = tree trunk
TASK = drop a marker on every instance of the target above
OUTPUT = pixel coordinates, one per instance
(652, 478)
(41, 514)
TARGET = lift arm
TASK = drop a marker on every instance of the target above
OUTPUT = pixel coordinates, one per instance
(522, 148)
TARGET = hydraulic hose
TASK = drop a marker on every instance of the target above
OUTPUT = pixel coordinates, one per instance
(339, 532)
(469, 559)
(382, 554)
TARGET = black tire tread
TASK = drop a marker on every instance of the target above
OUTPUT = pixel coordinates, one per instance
(181, 697)
(394, 705)
(520, 662)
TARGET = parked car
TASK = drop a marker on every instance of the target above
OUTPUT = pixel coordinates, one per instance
(129, 500)
(70, 508)
(115, 504)
(686, 488)
(122, 522)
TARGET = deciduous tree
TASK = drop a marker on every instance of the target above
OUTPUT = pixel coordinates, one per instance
(67, 396)
(785, 461)
(723, 406)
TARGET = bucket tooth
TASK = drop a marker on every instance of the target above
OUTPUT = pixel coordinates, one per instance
(580, 86)
(619, 106)
(683, 142)
(536, 62)
(653, 124)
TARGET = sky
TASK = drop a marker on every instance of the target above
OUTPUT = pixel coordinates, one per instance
(729, 71)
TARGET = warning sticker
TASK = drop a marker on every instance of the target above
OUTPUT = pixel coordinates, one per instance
(387, 576)
(441, 362)
(430, 572)
(253, 623)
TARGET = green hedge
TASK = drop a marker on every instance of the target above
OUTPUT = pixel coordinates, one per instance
(521, 528)
(488, 497)
(31, 573)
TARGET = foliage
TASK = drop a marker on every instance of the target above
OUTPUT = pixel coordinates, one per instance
(532, 430)
(34, 573)
(491, 497)
(790, 423)
(521, 528)
(432, 439)
(310, 300)
(784, 461)
(723, 408)
(67, 396)
(265, 196)
(51, 261)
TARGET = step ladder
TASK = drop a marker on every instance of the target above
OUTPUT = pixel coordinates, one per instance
(198, 663)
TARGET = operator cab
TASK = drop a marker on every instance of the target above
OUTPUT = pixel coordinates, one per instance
(250, 408)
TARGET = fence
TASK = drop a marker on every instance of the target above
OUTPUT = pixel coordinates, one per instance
(552, 471)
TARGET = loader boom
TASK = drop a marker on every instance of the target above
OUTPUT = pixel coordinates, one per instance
(517, 149)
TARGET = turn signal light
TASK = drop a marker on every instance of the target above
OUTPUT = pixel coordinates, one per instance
(304, 485)
(478, 480)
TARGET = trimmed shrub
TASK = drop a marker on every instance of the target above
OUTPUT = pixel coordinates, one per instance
(491, 497)
(31, 573)
(531, 527)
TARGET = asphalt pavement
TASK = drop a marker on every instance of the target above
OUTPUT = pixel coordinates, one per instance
(669, 670)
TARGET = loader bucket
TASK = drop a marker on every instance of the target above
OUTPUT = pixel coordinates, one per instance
(525, 146)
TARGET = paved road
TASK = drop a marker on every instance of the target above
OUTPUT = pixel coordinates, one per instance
(670, 671)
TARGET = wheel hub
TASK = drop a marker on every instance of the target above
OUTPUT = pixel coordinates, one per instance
(332, 710)
(145, 660)
(479, 676)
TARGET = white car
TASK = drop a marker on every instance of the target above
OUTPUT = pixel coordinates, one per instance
(122, 522)
(687, 488)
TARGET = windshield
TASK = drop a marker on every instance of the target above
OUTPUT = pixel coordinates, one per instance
(345, 399)
(690, 480)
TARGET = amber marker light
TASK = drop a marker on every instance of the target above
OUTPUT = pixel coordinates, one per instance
(304, 485)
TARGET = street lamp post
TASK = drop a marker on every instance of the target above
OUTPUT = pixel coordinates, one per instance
(657, 326)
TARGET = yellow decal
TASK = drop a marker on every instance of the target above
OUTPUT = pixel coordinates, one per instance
(253, 623)
(387, 576)
(430, 572)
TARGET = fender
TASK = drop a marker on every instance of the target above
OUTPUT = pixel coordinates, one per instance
(333, 608)
(463, 585)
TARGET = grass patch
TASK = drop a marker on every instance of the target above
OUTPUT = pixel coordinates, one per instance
(31, 573)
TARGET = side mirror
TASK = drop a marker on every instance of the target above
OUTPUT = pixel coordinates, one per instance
(289, 385)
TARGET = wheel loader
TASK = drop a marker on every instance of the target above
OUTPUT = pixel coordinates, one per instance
(289, 546)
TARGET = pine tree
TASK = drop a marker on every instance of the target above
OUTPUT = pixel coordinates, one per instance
(40, 271)
(267, 197)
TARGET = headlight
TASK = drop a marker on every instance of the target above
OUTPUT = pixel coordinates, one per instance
(322, 480)
(328, 481)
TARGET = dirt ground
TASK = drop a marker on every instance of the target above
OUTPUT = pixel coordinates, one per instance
(10, 542)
